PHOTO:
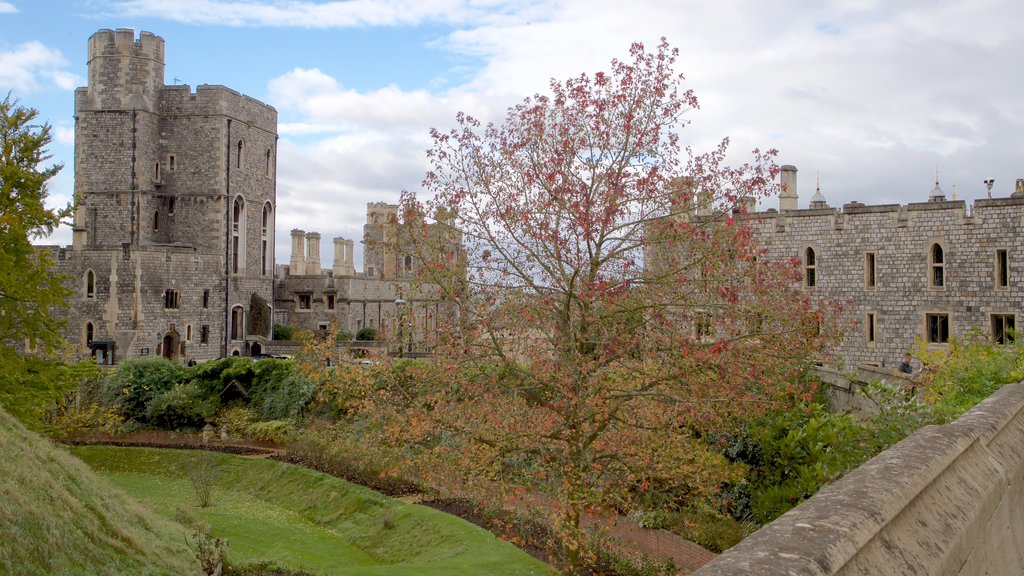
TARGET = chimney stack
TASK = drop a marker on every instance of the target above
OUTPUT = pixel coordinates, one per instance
(788, 197)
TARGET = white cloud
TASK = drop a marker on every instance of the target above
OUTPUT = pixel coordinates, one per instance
(8, 8)
(307, 14)
(24, 68)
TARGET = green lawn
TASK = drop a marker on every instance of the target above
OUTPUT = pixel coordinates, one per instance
(302, 519)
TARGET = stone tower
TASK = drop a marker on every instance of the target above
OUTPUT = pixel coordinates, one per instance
(176, 201)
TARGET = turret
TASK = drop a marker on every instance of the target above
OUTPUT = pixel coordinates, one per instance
(124, 73)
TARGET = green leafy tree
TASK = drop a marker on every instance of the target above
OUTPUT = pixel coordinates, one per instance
(29, 291)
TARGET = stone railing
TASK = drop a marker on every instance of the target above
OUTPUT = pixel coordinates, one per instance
(946, 500)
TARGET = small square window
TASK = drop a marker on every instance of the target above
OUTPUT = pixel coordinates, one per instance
(937, 328)
(1004, 328)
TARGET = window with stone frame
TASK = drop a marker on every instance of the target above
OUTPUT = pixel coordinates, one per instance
(237, 323)
(810, 268)
(204, 334)
(870, 328)
(172, 299)
(1002, 270)
(90, 332)
(937, 330)
(305, 301)
(870, 279)
(937, 266)
(1004, 328)
(90, 284)
(240, 154)
(329, 300)
(206, 298)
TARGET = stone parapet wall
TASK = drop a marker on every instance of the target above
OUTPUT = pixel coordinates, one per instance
(946, 500)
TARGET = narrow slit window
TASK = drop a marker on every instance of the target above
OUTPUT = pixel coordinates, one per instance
(938, 266)
(869, 270)
(869, 328)
(1002, 269)
(810, 268)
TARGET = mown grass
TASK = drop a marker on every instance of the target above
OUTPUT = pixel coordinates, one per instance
(306, 520)
(59, 517)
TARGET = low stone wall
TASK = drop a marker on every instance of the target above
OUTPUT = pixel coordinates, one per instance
(844, 393)
(946, 500)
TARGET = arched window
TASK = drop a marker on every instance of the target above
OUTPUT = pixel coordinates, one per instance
(238, 235)
(90, 284)
(266, 260)
(241, 151)
(810, 268)
(937, 272)
(90, 332)
(170, 206)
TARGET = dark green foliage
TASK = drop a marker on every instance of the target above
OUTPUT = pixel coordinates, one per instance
(366, 334)
(278, 391)
(137, 382)
(157, 392)
(343, 336)
(259, 316)
(283, 332)
(184, 405)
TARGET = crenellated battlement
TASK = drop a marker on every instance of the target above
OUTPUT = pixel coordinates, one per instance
(124, 73)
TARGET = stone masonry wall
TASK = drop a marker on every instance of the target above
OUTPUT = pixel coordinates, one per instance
(901, 237)
(947, 500)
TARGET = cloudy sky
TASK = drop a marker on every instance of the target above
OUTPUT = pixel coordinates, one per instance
(869, 96)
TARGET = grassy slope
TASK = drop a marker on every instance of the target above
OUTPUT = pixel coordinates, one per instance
(304, 519)
(59, 517)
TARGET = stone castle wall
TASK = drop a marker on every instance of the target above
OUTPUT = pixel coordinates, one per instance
(945, 500)
(158, 172)
(900, 239)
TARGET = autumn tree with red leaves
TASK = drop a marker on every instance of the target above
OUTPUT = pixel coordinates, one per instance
(614, 308)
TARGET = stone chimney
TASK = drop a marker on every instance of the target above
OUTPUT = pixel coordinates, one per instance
(788, 197)
(1018, 189)
(313, 254)
(297, 265)
(343, 265)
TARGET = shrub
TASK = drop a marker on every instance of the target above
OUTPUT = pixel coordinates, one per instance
(278, 391)
(283, 332)
(135, 383)
(272, 431)
(366, 334)
(183, 406)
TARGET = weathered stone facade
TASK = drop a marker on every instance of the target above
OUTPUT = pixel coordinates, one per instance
(382, 297)
(931, 271)
(174, 226)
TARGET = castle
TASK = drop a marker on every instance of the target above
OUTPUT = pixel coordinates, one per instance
(173, 246)
(928, 271)
(173, 250)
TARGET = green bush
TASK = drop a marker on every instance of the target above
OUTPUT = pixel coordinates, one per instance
(366, 334)
(183, 406)
(283, 332)
(278, 391)
(135, 383)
